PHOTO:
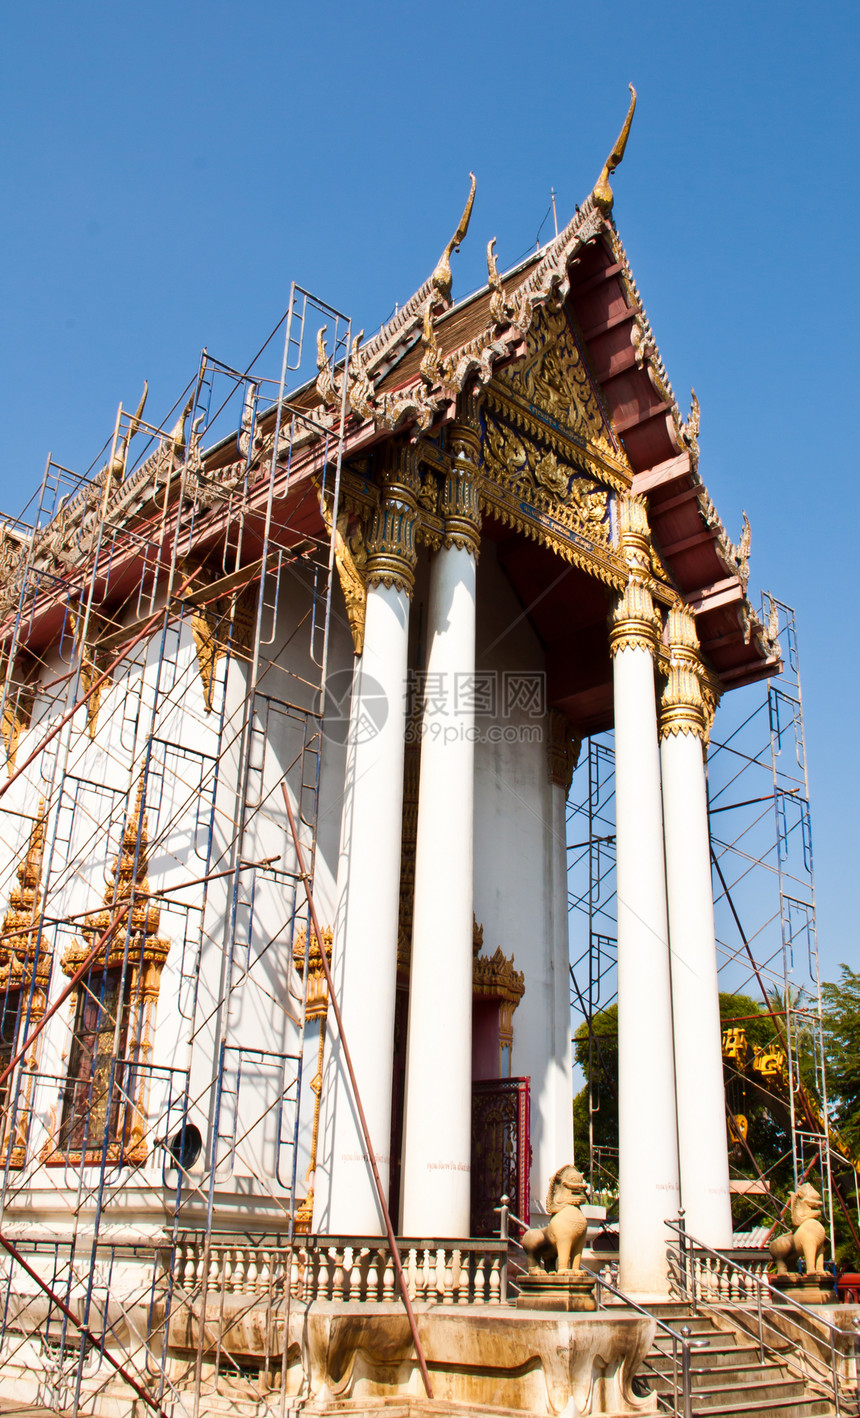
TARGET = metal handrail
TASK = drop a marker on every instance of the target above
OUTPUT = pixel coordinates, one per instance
(686, 1277)
(682, 1339)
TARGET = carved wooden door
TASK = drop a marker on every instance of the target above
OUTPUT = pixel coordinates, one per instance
(501, 1151)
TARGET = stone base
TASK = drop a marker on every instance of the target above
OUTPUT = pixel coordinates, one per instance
(570, 1291)
(483, 1360)
(817, 1289)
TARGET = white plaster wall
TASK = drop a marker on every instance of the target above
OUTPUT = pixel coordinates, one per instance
(520, 881)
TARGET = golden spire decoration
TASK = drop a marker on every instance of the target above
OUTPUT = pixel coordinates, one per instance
(602, 193)
(441, 278)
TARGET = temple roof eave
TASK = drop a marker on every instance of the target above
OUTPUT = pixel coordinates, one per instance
(408, 376)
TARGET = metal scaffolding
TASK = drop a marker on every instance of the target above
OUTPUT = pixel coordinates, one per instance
(117, 792)
(761, 847)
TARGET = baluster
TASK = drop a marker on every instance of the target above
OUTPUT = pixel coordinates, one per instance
(358, 1289)
(463, 1297)
(231, 1269)
(338, 1276)
(349, 1271)
(373, 1276)
(278, 1269)
(450, 1258)
(388, 1278)
(409, 1261)
(321, 1277)
(496, 1281)
(294, 1275)
(272, 1272)
(215, 1260)
(242, 1259)
(439, 1275)
(422, 1265)
(480, 1283)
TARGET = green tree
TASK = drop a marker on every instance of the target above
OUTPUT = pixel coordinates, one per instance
(842, 1052)
(757, 1106)
(596, 1052)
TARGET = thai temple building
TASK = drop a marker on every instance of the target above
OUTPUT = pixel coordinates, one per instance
(338, 638)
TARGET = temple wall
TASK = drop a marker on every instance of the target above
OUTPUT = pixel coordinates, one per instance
(81, 849)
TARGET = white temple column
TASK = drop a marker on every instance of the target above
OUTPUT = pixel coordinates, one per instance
(648, 1148)
(364, 964)
(701, 1102)
(437, 1133)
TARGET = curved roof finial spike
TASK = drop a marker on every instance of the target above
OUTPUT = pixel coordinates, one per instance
(602, 193)
(441, 277)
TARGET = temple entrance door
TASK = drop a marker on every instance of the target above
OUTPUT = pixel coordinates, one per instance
(501, 1150)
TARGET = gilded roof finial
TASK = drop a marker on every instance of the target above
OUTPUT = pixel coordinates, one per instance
(602, 193)
(118, 461)
(325, 381)
(177, 436)
(441, 277)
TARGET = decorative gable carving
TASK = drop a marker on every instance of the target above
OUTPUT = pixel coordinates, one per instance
(554, 382)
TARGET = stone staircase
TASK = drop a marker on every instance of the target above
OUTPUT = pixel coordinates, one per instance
(728, 1377)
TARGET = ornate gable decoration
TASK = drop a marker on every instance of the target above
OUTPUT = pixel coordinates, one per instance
(555, 385)
(546, 483)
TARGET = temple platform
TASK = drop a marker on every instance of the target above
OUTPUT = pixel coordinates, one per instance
(360, 1358)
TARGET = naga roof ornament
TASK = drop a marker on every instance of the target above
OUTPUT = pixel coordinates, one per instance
(441, 278)
(602, 193)
(117, 465)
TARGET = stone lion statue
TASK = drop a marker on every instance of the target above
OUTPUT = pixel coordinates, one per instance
(564, 1238)
(808, 1237)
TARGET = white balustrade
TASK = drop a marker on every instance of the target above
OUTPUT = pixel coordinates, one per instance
(468, 1273)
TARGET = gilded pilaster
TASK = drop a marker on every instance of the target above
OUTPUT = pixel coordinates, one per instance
(23, 951)
(635, 624)
(350, 559)
(460, 501)
(316, 1008)
(683, 709)
(391, 554)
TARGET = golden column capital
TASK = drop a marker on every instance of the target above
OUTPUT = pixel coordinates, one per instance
(635, 624)
(460, 503)
(390, 540)
(682, 708)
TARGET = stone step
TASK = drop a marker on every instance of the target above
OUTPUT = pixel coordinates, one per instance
(750, 1394)
(721, 1376)
(813, 1407)
(736, 1357)
(729, 1379)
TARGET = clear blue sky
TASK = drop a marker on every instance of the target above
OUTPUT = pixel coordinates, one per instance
(167, 169)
